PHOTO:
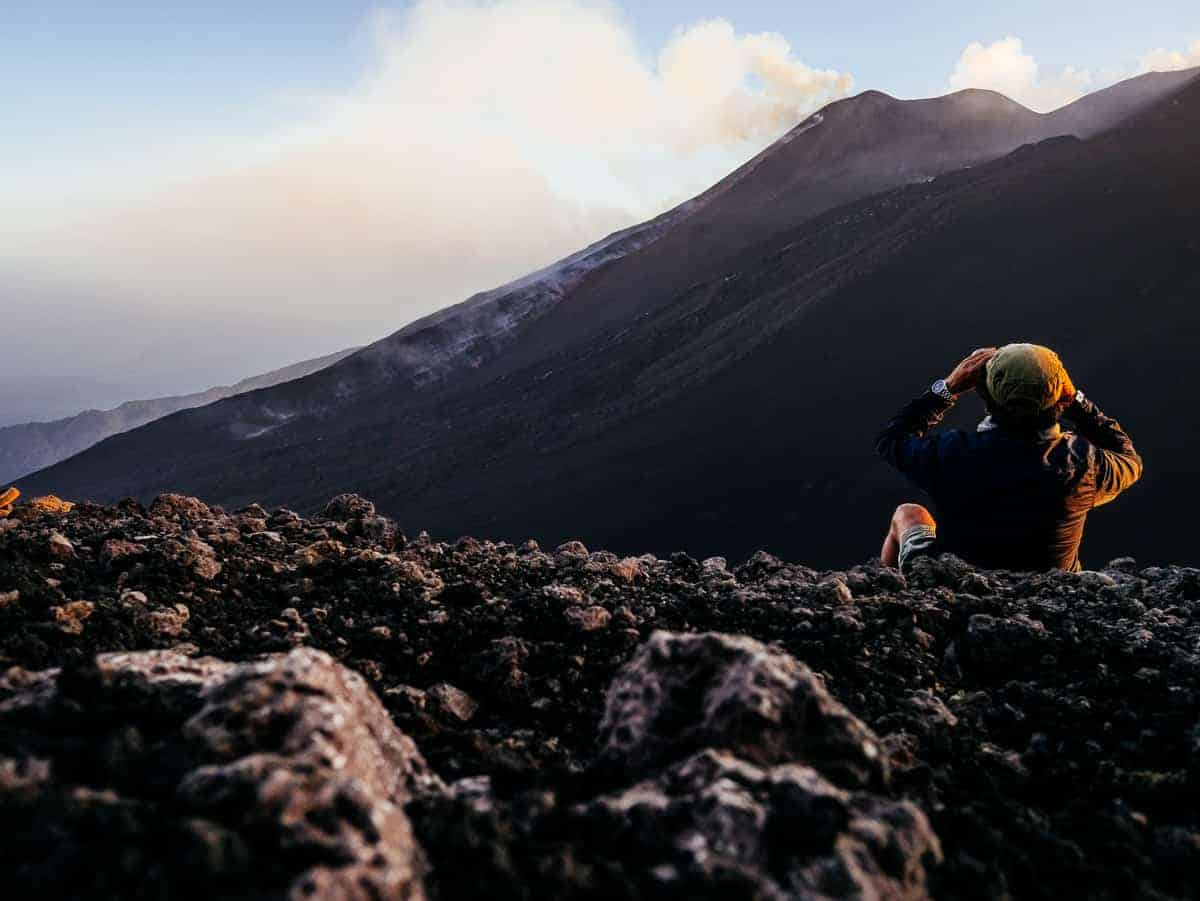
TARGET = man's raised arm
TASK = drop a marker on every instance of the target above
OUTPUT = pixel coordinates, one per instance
(904, 443)
(1118, 465)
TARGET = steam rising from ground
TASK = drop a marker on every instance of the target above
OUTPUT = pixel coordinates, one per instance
(486, 140)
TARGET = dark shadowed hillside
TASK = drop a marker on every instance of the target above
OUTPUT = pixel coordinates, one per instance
(713, 380)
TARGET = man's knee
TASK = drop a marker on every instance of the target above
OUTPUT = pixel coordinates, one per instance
(909, 515)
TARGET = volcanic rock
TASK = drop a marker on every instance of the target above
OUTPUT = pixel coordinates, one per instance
(170, 622)
(1043, 723)
(164, 776)
(715, 824)
(115, 549)
(196, 556)
(69, 617)
(348, 506)
(452, 702)
(174, 506)
(683, 692)
(588, 619)
(60, 546)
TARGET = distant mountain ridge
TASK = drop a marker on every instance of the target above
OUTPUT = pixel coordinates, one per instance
(714, 383)
(27, 447)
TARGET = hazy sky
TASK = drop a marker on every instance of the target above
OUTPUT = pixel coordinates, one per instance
(193, 193)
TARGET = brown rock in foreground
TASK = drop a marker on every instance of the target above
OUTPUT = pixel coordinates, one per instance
(716, 823)
(682, 693)
(149, 774)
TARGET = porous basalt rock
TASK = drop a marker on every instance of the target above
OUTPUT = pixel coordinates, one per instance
(681, 693)
(714, 822)
(709, 825)
(149, 774)
(174, 506)
(348, 506)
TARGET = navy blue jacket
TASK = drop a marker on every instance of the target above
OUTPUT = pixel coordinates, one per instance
(1006, 500)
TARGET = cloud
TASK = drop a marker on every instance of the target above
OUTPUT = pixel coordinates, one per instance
(1004, 66)
(485, 139)
(1163, 60)
(706, 72)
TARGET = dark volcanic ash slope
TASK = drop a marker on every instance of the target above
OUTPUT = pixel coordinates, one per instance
(576, 724)
(717, 387)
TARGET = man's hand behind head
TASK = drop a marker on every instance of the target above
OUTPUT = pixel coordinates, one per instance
(966, 374)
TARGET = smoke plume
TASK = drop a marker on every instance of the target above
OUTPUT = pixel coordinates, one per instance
(485, 139)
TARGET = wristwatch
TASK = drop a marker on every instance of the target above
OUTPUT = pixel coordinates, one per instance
(943, 391)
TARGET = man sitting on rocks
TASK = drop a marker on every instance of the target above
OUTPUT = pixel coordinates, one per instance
(6, 501)
(1015, 493)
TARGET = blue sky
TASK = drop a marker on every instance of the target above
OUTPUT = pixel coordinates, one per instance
(140, 56)
(84, 82)
(280, 180)
(906, 49)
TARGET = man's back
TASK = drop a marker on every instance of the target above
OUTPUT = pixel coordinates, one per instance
(1017, 502)
(1006, 499)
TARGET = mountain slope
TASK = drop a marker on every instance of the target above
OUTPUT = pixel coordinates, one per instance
(30, 446)
(737, 410)
(851, 149)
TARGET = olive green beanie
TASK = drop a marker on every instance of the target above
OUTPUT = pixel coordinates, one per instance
(1025, 379)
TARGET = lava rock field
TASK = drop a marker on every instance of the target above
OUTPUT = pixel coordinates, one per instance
(198, 703)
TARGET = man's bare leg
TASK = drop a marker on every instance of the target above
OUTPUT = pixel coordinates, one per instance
(905, 517)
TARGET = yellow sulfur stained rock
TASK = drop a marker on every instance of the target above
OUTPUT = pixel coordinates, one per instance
(49, 503)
